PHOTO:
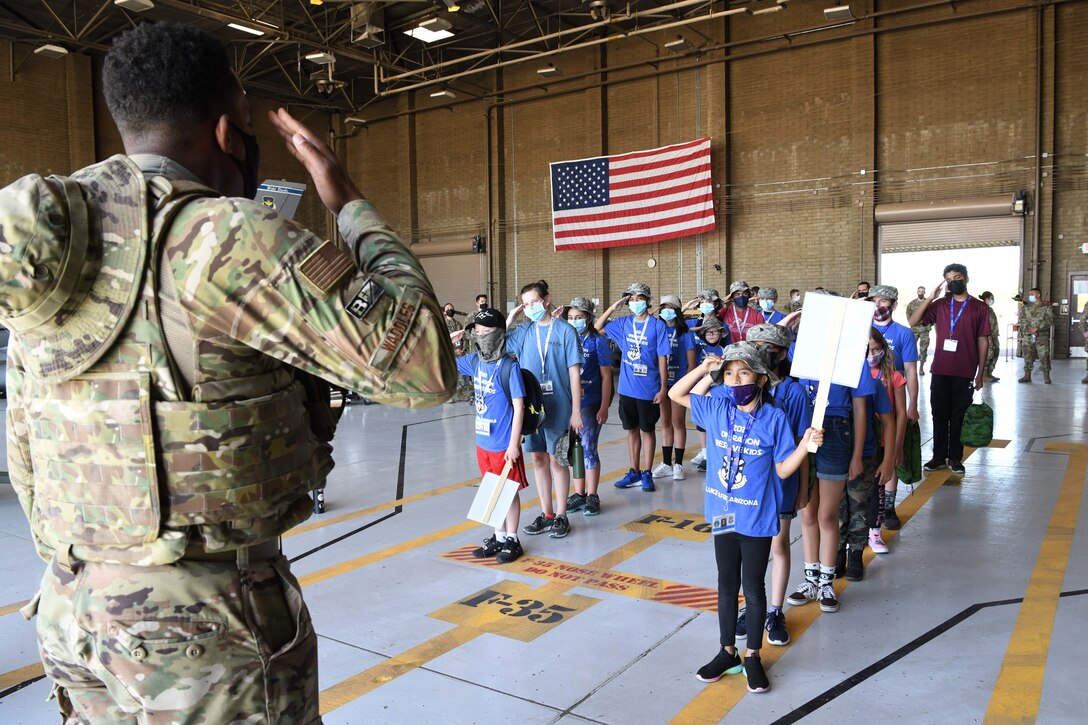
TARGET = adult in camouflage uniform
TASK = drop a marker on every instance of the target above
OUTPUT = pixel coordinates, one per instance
(158, 435)
(1084, 331)
(1036, 319)
(920, 331)
(464, 383)
(994, 352)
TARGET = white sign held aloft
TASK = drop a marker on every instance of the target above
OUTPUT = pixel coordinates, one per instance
(493, 498)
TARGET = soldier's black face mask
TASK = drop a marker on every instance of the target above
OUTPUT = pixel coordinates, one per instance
(248, 168)
(957, 286)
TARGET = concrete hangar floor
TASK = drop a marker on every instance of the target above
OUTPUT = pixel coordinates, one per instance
(977, 614)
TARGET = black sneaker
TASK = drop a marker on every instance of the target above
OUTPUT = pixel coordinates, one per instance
(757, 677)
(933, 465)
(742, 625)
(575, 502)
(593, 505)
(560, 527)
(722, 664)
(829, 602)
(840, 564)
(777, 634)
(511, 550)
(805, 593)
(855, 569)
(540, 524)
(891, 519)
(491, 547)
(956, 466)
(701, 466)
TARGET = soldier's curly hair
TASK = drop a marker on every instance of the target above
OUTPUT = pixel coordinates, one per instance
(166, 75)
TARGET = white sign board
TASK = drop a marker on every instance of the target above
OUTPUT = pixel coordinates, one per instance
(832, 343)
(493, 499)
(832, 325)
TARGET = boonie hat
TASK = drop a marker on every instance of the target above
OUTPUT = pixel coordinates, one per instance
(712, 323)
(488, 317)
(584, 304)
(884, 290)
(767, 293)
(769, 333)
(709, 294)
(63, 289)
(739, 286)
(751, 356)
(638, 288)
(671, 300)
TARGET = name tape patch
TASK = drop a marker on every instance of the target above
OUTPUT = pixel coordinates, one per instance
(365, 299)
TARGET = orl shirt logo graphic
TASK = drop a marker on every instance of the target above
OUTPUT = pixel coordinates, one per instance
(481, 406)
(723, 475)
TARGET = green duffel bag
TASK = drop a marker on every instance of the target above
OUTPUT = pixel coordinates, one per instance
(978, 426)
(910, 470)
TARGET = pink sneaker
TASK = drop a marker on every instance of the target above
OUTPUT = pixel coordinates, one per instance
(876, 543)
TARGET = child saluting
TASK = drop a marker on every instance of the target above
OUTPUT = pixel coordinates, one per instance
(749, 441)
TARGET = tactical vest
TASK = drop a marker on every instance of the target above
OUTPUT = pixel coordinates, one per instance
(131, 464)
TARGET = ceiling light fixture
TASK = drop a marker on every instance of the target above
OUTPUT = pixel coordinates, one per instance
(839, 12)
(136, 6)
(431, 29)
(321, 57)
(548, 71)
(679, 45)
(765, 11)
(451, 6)
(245, 29)
(51, 51)
(444, 93)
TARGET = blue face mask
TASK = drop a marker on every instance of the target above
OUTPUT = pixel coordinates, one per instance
(706, 308)
(1032, 298)
(740, 301)
(668, 315)
(638, 307)
(579, 325)
(536, 312)
(767, 305)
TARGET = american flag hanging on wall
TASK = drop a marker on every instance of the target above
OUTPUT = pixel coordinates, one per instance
(635, 198)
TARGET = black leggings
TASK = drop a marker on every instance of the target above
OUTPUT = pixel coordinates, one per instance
(736, 553)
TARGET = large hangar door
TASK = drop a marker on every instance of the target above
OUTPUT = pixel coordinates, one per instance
(457, 278)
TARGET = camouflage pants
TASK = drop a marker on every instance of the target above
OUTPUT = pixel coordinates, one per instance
(194, 642)
(923, 347)
(854, 507)
(1039, 349)
(992, 354)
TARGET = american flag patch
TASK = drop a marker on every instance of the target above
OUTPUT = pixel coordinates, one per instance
(325, 267)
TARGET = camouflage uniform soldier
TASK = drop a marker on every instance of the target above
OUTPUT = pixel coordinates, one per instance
(920, 331)
(464, 383)
(1084, 331)
(1035, 322)
(994, 352)
(157, 429)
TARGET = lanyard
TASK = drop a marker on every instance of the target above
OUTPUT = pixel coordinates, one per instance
(734, 458)
(953, 316)
(543, 350)
(640, 337)
(741, 329)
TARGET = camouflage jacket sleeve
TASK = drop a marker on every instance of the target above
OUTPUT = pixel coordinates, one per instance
(20, 465)
(362, 317)
(995, 329)
(1084, 319)
(1046, 319)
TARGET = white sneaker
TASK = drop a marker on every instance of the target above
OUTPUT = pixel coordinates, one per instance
(699, 457)
(678, 473)
(661, 470)
(876, 542)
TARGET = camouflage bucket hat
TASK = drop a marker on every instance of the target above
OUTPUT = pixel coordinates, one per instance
(751, 356)
(584, 304)
(767, 293)
(884, 290)
(739, 286)
(709, 294)
(766, 332)
(671, 300)
(712, 323)
(69, 273)
(638, 288)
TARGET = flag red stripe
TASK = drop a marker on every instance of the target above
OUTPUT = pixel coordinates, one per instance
(634, 241)
(655, 152)
(647, 180)
(663, 221)
(616, 170)
(585, 219)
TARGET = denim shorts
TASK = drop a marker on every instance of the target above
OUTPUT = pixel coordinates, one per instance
(833, 457)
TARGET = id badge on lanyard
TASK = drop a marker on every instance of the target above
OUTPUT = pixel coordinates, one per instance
(724, 523)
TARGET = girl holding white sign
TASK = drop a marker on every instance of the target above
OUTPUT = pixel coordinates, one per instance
(752, 450)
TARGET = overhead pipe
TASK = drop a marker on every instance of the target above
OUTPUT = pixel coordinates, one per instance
(1036, 217)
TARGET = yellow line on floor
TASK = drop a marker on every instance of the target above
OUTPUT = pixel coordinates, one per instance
(716, 700)
(1019, 685)
(16, 677)
(352, 515)
(13, 607)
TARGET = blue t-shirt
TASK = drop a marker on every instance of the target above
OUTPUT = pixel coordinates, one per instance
(839, 397)
(772, 317)
(679, 344)
(702, 349)
(640, 343)
(756, 495)
(494, 411)
(548, 352)
(596, 354)
(793, 400)
(902, 342)
(878, 402)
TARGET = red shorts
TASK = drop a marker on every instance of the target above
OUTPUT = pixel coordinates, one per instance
(495, 461)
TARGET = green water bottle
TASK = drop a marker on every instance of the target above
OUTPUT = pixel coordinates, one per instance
(577, 456)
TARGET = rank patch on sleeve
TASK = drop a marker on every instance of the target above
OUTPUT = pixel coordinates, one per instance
(365, 299)
(325, 267)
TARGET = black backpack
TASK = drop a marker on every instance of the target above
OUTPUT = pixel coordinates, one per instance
(533, 420)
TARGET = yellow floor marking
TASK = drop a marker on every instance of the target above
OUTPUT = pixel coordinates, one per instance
(1019, 685)
(716, 700)
(352, 515)
(513, 609)
(15, 677)
(13, 607)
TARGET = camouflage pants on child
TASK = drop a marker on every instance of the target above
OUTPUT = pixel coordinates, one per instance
(854, 507)
(190, 642)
